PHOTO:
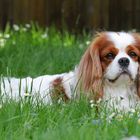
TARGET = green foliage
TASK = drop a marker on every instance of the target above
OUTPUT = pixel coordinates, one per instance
(29, 50)
(33, 51)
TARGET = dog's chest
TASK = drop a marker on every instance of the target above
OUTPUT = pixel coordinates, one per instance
(120, 97)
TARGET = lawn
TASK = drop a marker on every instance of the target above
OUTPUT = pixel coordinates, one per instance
(32, 51)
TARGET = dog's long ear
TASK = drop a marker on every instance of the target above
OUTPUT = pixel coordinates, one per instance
(137, 40)
(138, 81)
(90, 71)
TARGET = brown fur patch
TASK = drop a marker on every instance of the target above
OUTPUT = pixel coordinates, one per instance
(106, 50)
(58, 91)
(132, 48)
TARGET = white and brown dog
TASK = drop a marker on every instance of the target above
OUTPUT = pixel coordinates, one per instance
(109, 70)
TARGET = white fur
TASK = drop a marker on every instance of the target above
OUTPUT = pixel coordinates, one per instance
(121, 39)
(121, 95)
(39, 87)
(69, 83)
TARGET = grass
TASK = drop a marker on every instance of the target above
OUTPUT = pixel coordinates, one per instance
(30, 51)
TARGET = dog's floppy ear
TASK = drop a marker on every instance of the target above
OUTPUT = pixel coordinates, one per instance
(137, 44)
(90, 70)
(137, 40)
(138, 81)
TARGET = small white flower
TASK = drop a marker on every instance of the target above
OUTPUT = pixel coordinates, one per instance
(27, 94)
(88, 42)
(44, 35)
(92, 105)
(24, 29)
(91, 101)
(27, 25)
(7, 36)
(112, 115)
(2, 42)
(16, 27)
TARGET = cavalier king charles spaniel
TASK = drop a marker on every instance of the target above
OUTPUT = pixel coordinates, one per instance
(108, 70)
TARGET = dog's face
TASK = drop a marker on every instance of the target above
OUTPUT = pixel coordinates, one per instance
(111, 56)
(119, 57)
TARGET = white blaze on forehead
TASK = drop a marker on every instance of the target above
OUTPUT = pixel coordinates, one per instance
(121, 39)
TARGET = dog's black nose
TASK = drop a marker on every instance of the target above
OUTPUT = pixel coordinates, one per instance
(124, 62)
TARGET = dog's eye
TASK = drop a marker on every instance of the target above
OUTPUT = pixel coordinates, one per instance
(132, 54)
(110, 55)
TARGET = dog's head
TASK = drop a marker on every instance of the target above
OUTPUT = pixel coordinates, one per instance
(113, 57)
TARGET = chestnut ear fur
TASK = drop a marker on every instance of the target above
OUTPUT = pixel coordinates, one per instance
(90, 71)
(138, 81)
(137, 39)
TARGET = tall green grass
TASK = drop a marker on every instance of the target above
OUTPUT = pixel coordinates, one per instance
(31, 51)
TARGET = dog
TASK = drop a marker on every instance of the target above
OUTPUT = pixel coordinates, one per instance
(108, 70)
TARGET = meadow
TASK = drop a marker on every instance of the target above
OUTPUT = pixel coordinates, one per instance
(29, 50)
